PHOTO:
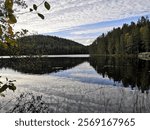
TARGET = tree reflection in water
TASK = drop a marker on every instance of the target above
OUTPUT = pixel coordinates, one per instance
(131, 72)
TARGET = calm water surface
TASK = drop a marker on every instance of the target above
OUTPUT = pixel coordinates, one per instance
(118, 72)
(76, 83)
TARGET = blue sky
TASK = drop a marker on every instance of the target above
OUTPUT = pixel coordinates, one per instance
(95, 29)
(84, 20)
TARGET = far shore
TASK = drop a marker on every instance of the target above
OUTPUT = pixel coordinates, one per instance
(44, 56)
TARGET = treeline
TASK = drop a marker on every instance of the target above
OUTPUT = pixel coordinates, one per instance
(130, 39)
(43, 45)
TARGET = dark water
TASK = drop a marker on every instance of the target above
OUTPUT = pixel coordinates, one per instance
(120, 72)
(131, 72)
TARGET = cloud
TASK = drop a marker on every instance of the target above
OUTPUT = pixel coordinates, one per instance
(68, 14)
(91, 31)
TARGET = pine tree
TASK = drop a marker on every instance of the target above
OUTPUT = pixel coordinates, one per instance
(146, 38)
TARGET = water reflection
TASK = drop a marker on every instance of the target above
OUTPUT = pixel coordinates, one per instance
(40, 65)
(131, 72)
(128, 72)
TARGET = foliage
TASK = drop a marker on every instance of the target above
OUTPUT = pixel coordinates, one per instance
(28, 103)
(8, 19)
(130, 39)
(44, 45)
(7, 34)
(100, 100)
(8, 85)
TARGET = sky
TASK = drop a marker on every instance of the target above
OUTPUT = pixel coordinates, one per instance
(82, 20)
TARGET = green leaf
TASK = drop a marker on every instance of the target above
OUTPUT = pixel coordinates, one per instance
(12, 87)
(41, 16)
(47, 5)
(34, 6)
(3, 88)
(2, 95)
(8, 4)
(10, 31)
(4, 44)
(1, 13)
(31, 10)
(1, 42)
(9, 41)
(12, 19)
(10, 81)
(1, 32)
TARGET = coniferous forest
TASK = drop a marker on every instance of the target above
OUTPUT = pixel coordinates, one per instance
(125, 40)
(43, 45)
(128, 39)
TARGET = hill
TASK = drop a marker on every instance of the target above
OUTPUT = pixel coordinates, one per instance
(44, 45)
(125, 40)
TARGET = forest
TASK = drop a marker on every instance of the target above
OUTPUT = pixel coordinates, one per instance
(125, 40)
(43, 45)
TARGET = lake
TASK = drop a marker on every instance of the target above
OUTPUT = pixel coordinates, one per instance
(76, 83)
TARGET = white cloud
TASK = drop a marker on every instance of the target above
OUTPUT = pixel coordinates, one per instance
(95, 30)
(86, 40)
(70, 13)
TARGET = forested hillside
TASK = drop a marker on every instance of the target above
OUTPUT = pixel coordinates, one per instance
(43, 45)
(129, 39)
